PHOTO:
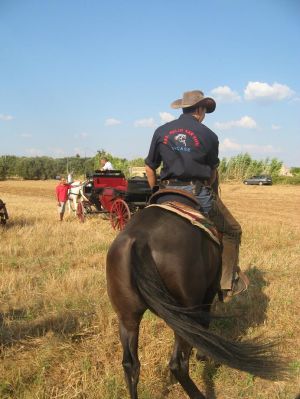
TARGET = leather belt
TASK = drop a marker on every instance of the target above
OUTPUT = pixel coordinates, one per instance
(178, 182)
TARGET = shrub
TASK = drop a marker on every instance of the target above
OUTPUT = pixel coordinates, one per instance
(286, 179)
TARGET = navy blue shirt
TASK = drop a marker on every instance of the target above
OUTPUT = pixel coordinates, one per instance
(188, 149)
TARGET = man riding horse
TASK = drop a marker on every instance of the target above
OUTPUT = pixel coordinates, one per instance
(189, 153)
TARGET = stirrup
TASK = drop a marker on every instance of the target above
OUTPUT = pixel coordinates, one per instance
(239, 285)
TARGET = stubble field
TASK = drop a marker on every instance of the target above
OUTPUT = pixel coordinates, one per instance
(58, 333)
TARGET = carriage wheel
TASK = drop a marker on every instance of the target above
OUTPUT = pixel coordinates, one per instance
(80, 212)
(119, 214)
(87, 208)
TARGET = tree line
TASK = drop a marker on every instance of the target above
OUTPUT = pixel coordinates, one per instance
(235, 168)
(43, 168)
(243, 166)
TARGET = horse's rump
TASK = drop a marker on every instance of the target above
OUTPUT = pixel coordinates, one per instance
(187, 259)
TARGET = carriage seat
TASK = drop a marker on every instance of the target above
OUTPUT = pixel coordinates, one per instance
(138, 185)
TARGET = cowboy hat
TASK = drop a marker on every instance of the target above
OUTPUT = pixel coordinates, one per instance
(195, 97)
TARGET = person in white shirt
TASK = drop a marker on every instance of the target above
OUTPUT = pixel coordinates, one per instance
(106, 165)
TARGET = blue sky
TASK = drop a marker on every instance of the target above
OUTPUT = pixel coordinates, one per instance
(77, 76)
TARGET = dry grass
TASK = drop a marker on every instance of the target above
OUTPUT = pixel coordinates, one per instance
(58, 333)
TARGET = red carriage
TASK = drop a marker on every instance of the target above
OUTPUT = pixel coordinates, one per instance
(114, 195)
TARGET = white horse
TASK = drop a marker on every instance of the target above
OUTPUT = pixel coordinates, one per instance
(75, 193)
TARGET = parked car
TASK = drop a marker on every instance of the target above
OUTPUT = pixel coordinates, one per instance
(260, 180)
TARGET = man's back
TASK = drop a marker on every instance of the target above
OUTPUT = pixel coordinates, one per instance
(187, 148)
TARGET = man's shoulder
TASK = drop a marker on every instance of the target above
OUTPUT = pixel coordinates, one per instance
(207, 130)
(162, 129)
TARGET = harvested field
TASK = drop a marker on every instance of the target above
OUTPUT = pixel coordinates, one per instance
(58, 333)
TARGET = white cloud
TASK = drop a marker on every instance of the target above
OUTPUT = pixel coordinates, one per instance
(147, 122)
(231, 145)
(275, 127)
(246, 122)
(261, 149)
(295, 100)
(4, 117)
(225, 94)
(228, 144)
(26, 135)
(166, 117)
(34, 152)
(112, 122)
(263, 91)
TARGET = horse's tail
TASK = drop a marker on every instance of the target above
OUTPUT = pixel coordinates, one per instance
(255, 357)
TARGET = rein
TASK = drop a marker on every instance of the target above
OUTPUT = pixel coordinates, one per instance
(73, 193)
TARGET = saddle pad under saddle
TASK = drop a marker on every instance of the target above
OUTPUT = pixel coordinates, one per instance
(194, 217)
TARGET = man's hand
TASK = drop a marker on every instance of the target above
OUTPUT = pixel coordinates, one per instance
(151, 176)
(155, 189)
(213, 176)
(214, 181)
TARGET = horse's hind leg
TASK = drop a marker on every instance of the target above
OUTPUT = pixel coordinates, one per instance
(127, 304)
(179, 366)
(129, 333)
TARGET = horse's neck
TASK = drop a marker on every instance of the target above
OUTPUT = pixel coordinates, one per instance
(76, 187)
(76, 183)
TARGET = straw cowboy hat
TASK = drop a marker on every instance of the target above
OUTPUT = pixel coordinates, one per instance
(191, 98)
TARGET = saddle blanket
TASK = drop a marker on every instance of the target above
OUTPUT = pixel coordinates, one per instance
(194, 217)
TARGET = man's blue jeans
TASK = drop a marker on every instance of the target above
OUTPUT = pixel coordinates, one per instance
(225, 222)
(204, 196)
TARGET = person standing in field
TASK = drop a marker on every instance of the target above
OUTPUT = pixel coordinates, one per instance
(62, 197)
(189, 152)
(106, 165)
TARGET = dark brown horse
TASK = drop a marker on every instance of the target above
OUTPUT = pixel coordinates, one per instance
(163, 263)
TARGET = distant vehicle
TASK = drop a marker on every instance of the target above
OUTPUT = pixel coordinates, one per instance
(259, 180)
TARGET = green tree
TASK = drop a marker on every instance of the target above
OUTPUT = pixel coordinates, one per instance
(295, 171)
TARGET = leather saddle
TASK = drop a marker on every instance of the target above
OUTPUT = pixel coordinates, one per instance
(172, 194)
(186, 206)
